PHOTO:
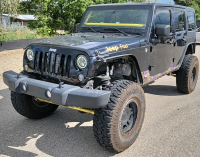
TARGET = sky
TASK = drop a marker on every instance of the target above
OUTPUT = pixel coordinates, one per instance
(167, 1)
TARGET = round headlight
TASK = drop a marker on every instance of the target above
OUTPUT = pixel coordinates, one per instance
(81, 61)
(29, 54)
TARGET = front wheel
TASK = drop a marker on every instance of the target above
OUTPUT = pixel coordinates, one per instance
(29, 107)
(117, 125)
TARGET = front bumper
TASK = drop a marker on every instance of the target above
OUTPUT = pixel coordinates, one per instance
(66, 95)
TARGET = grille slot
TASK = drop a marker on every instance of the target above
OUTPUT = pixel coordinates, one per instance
(57, 64)
(52, 61)
(53, 64)
(62, 62)
(68, 64)
(46, 62)
(41, 60)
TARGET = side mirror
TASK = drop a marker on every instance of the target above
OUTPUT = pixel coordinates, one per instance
(77, 26)
(163, 30)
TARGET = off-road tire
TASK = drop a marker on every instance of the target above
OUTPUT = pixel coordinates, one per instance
(28, 107)
(186, 80)
(108, 128)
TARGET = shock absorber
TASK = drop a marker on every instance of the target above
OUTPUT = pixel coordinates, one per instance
(106, 79)
(105, 83)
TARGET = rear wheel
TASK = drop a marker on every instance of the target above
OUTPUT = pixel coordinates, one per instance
(117, 125)
(29, 107)
(187, 75)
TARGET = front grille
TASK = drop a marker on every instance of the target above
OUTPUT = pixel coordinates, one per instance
(54, 64)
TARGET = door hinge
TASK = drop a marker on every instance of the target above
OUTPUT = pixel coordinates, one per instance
(151, 67)
(151, 48)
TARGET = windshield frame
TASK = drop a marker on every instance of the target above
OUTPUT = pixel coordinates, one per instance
(127, 30)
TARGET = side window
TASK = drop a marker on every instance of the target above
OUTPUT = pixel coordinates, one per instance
(179, 21)
(191, 21)
(163, 17)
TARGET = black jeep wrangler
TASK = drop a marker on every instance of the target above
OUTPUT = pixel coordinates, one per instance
(100, 69)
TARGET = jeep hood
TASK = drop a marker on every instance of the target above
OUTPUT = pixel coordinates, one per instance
(90, 42)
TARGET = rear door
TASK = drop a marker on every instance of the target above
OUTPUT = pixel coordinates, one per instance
(180, 33)
(191, 27)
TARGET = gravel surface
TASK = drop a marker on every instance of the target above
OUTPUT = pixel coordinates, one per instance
(11, 60)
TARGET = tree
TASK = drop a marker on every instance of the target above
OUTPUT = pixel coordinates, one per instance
(58, 14)
(184, 2)
(191, 3)
(29, 7)
(8, 7)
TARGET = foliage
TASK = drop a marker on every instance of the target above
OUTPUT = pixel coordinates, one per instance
(29, 7)
(16, 32)
(63, 14)
(115, 1)
(184, 2)
(8, 7)
(191, 3)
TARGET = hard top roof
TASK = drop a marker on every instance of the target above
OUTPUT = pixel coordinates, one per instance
(144, 4)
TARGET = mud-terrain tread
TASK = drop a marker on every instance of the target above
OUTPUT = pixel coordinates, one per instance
(102, 118)
(182, 74)
(24, 105)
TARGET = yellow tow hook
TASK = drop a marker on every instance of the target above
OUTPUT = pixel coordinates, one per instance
(81, 109)
(174, 75)
(71, 107)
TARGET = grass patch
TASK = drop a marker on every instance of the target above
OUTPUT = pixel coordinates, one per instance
(16, 32)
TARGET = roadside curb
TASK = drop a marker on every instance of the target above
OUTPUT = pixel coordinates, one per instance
(16, 44)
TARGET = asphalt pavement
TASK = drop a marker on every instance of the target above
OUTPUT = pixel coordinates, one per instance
(171, 128)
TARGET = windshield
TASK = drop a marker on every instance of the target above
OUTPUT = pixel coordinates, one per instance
(121, 17)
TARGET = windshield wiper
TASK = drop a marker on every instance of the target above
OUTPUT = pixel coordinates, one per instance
(138, 33)
(133, 31)
(119, 30)
(90, 29)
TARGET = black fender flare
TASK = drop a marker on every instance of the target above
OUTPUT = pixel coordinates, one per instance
(192, 44)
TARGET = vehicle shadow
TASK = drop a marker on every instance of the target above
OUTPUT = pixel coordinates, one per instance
(51, 136)
(164, 90)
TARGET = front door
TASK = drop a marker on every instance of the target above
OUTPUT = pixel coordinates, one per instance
(161, 55)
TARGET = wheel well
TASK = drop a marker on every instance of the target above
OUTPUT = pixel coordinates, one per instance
(125, 67)
(135, 70)
(190, 49)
